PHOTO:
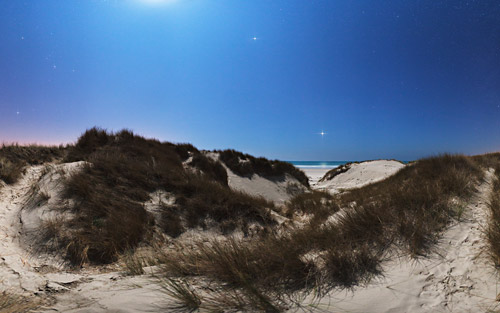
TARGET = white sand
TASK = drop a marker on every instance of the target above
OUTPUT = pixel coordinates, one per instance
(315, 174)
(17, 267)
(278, 191)
(275, 190)
(360, 174)
(458, 278)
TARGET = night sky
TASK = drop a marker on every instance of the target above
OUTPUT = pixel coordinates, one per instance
(381, 79)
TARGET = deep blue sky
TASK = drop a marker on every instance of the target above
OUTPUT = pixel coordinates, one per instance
(384, 79)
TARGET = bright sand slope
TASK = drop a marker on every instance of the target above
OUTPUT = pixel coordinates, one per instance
(458, 277)
(360, 174)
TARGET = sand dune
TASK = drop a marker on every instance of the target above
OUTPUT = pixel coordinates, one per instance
(359, 174)
(458, 277)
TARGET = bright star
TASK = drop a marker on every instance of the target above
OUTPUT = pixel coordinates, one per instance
(254, 38)
(322, 133)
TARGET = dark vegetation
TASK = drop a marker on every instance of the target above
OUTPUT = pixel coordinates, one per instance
(209, 167)
(14, 158)
(336, 171)
(12, 303)
(403, 214)
(493, 230)
(319, 204)
(122, 170)
(246, 165)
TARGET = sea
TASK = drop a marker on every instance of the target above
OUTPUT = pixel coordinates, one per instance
(318, 164)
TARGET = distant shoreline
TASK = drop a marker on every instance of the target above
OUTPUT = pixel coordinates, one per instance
(324, 164)
(318, 164)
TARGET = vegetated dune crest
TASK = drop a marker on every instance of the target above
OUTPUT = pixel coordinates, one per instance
(277, 189)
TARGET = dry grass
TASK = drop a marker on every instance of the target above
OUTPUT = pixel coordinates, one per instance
(245, 165)
(10, 171)
(121, 172)
(134, 264)
(14, 158)
(405, 213)
(212, 169)
(493, 229)
(12, 303)
(413, 205)
(185, 297)
(319, 204)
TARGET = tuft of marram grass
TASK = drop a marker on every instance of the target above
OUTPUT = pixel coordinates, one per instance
(184, 296)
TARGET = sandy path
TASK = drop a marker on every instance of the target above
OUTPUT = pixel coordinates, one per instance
(17, 267)
(314, 174)
(459, 277)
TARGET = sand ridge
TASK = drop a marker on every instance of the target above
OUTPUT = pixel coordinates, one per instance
(458, 277)
(359, 175)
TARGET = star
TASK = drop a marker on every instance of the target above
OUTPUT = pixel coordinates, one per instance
(254, 38)
(17, 113)
(54, 66)
(322, 133)
(22, 37)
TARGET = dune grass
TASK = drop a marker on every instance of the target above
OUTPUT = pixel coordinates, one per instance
(246, 165)
(403, 214)
(120, 173)
(319, 204)
(14, 158)
(10, 303)
(493, 229)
